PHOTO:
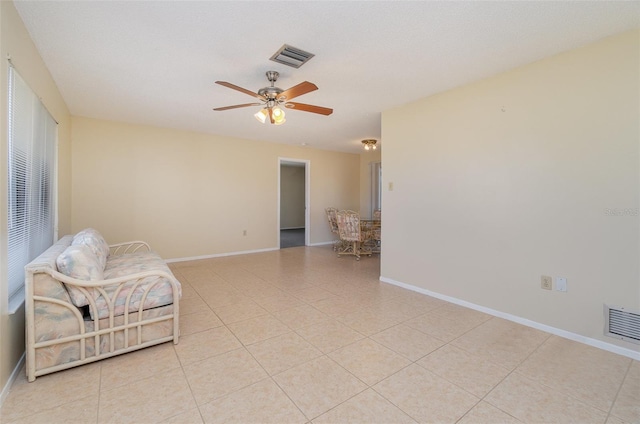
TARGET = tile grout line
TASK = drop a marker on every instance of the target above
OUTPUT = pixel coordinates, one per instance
(184, 374)
(510, 373)
(182, 365)
(368, 337)
(480, 398)
(99, 396)
(615, 398)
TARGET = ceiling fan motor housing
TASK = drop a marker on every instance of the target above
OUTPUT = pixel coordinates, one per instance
(270, 92)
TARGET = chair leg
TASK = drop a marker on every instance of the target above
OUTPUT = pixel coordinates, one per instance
(365, 249)
(349, 248)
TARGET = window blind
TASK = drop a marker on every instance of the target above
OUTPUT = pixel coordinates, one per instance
(32, 135)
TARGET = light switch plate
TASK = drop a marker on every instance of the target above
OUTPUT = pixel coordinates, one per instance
(561, 284)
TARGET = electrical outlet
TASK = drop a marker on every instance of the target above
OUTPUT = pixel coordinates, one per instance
(546, 282)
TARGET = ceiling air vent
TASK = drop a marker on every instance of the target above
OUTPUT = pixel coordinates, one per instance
(622, 324)
(290, 56)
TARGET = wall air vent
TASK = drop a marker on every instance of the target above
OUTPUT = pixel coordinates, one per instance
(291, 56)
(622, 324)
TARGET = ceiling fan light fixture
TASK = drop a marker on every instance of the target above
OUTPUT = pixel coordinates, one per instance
(369, 144)
(262, 115)
(278, 116)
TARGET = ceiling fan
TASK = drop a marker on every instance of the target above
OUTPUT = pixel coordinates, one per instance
(273, 97)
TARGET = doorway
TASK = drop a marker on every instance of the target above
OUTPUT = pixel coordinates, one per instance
(293, 203)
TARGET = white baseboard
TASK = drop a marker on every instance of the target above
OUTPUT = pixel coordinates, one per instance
(12, 378)
(219, 255)
(324, 243)
(243, 252)
(629, 353)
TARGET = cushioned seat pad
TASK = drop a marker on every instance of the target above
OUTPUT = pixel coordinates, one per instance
(161, 292)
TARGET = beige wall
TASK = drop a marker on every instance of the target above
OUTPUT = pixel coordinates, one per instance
(366, 159)
(16, 43)
(504, 180)
(191, 194)
(291, 196)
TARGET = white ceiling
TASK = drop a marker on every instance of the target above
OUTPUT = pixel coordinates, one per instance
(155, 63)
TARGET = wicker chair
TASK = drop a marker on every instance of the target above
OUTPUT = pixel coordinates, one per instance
(351, 235)
(377, 233)
(333, 225)
(372, 235)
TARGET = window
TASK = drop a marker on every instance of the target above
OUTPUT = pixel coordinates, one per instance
(31, 216)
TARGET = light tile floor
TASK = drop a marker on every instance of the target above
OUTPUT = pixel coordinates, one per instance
(301, 336)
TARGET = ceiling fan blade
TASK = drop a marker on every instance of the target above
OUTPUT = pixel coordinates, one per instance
(297, 90)
(237, 106)
(240, 89)
(271, 115)
(309, 108)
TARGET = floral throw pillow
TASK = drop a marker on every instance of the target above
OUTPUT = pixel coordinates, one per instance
(80, 262)
(93, 239)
